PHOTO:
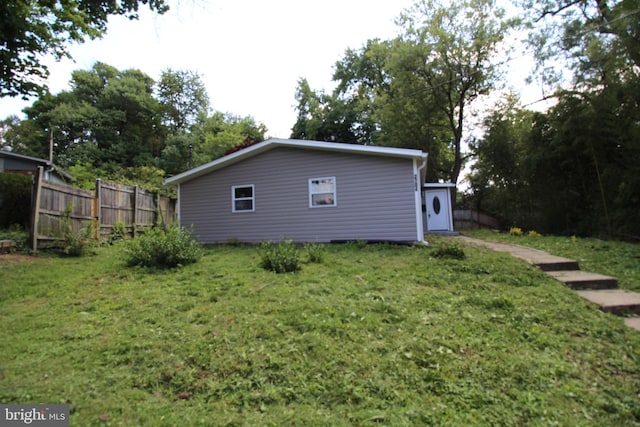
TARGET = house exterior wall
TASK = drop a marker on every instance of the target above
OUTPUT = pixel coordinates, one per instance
(375, 199)
(15, 165)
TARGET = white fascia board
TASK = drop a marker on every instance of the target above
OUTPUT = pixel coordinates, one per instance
(294, 143)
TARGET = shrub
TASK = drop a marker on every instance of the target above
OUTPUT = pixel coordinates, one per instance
(118, 233)
(533, 233)
(160, 248)
(315, 252)
(282, 257)
(76, 241)
(449, 250)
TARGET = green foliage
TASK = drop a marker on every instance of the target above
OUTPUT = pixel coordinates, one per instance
(32, 30)
(281, 257)
(448, 250)
(571, 170)
(158, 248)
(18, 235)
(76, 239)
(118, 233)
(15, 200)
(183, 97)
(315, 252)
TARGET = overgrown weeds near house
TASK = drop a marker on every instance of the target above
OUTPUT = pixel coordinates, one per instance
(375, 335)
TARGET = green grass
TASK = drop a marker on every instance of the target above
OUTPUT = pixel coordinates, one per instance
(618, 259)
(375, 335)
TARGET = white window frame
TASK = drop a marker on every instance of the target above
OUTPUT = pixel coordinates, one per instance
(235, 199)
(334, 192)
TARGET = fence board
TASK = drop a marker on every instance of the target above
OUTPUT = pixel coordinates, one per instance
(471, 219)
(109, 204)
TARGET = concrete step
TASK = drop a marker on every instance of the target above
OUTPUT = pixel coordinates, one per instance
(615, 301)
(558, 264)
(633, 322)
(577, 279)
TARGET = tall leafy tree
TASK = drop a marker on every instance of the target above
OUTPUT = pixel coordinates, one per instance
(592, 41)
(107, 117)
(452, 57)
(29, 30)
(325, 117)
(183, 97)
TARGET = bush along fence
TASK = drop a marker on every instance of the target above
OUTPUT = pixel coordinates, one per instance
(55, 207)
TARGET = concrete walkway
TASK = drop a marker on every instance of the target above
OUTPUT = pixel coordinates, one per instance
(597, 288)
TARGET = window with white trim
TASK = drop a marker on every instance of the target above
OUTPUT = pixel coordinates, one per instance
(243, 198)
(322, 192)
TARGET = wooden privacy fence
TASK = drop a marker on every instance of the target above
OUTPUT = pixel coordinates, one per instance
(58, 206)
(471, 219)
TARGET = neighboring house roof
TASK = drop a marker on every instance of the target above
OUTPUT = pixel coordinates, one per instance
(36, 162)
(11, 155)
(272, 143)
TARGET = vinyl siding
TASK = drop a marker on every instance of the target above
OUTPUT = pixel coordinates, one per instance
(375, 199)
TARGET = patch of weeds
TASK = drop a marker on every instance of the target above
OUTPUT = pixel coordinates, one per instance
(18, 235)
(160, 248)
(315, 252)
(76, 241)
(281, 257)
(118, 233)
(448, 250)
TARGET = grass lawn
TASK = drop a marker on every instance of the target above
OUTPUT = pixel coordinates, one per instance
(618, 259)
(375, 335)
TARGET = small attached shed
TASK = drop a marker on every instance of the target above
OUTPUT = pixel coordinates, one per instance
(306, 191)
(438, 217)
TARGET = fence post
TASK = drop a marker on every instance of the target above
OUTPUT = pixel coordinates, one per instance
(35, 209)
(136, 199)
(98, 208)
(157, 214)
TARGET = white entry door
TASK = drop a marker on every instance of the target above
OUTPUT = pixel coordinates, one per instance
(438, 210)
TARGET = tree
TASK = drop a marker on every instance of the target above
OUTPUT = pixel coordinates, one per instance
(596, 41)
(183, 97)
(323, 117)
(107, 117)
(30, 30)
(220, 132)
(453, 55)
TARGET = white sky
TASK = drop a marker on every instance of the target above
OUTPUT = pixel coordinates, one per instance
(249, 53)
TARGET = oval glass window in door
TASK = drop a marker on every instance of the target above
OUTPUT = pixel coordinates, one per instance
(436, 205)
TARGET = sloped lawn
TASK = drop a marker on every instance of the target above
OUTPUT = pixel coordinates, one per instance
(373, 335)
(618, 259)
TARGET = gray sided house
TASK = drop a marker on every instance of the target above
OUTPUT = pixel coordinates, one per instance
(26, 165)
(306, 191)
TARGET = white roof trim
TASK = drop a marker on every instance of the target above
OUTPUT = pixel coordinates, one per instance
(295, 143)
